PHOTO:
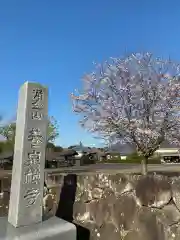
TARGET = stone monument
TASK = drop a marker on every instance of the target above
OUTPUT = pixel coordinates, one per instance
(27, 185)
(29, 156)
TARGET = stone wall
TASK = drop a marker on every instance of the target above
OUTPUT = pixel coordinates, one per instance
(128, 207)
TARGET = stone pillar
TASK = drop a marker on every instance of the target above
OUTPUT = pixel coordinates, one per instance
(51, 229)
(27, 184)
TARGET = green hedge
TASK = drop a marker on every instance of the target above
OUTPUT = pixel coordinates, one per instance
(131, 161)
(134, 159)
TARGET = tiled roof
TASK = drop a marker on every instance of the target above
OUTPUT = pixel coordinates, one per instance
(80, 148)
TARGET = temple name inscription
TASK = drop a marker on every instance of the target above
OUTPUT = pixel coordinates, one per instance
(26, 197)
(32, 165)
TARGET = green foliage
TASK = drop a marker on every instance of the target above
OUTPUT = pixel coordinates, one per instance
(1, 147)
(53, 130)
(58, 149)
(6, 146)
(53, 147)
(50, 145)
(133, 158)
(8, 131)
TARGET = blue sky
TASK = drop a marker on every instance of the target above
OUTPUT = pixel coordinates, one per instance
(54, 42)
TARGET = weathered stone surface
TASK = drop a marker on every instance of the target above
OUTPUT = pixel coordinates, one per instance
(120, 184)
(176, 192)
(131, 207)
(173, 232)
(123, 212)
(81, 212)
(92, 181)
(108, 231)
(48, 203)
(49, 206)
(168, 215)
(27, 183)
(134, 235)
(153, 191)
(85, 186)
(88, 194)
(109, 194)
(103, 180)
(51, 180)
(45, 192)
(147, 225)
(99, 211)
(96, 193)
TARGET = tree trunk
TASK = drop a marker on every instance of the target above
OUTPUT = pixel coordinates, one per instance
(144, 169)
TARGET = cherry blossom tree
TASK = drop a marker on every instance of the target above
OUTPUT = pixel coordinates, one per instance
(132, 100)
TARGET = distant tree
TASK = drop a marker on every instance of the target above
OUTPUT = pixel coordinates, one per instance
(58, 149)
(50, 145)
(1, 147)
(5, 146)
(53, 130)
(8, 132)
(132, 100)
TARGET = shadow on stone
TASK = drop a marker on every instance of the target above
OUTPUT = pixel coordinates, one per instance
(153, 191)
(66, 202)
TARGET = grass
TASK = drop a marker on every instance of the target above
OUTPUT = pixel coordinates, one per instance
(133, 159)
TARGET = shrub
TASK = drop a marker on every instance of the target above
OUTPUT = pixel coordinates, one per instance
(133, 158)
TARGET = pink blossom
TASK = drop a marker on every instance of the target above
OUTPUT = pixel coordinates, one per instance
(132, 100)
